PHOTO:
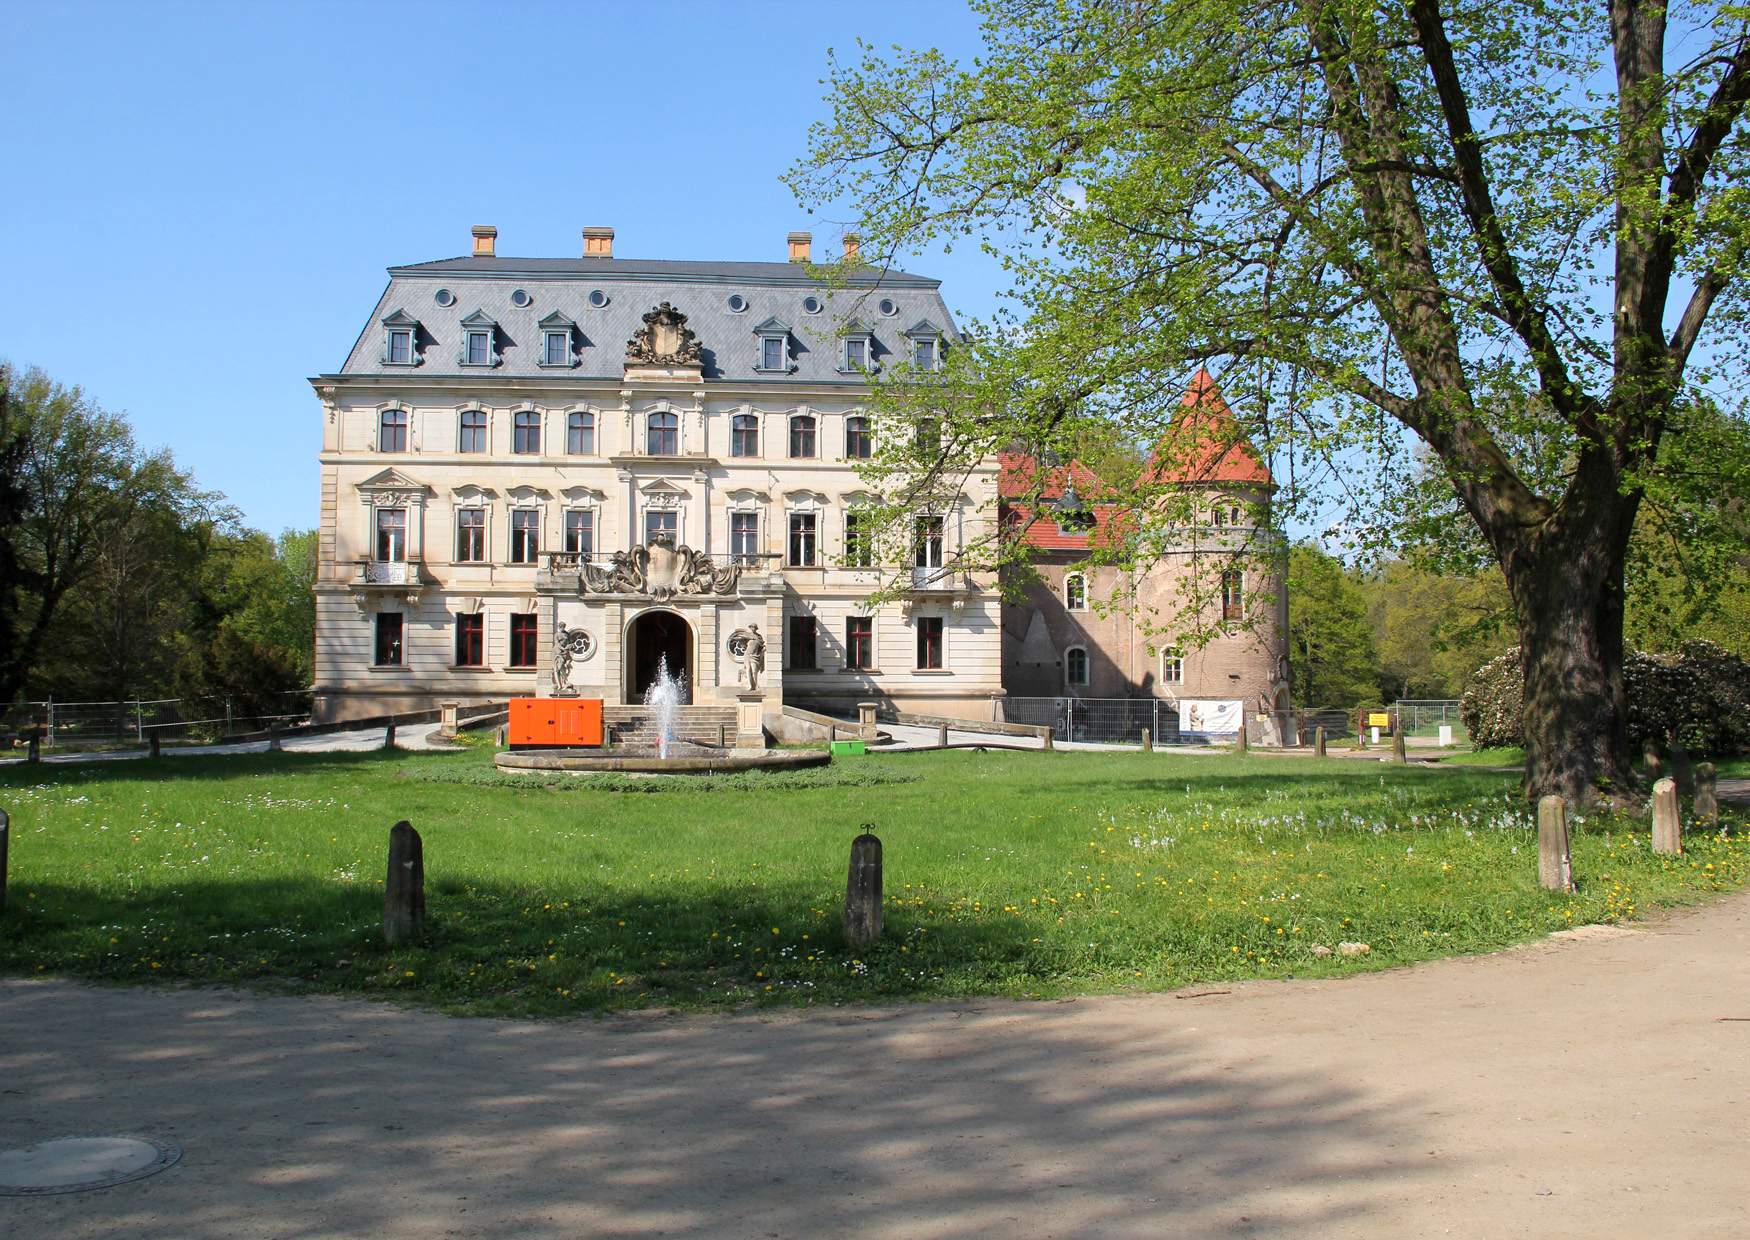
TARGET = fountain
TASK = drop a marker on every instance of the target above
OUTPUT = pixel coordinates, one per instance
(663, 697)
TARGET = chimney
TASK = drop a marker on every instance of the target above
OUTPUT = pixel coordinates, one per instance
(485, 241)
(598, 242)
(800, 244)
(853, 247)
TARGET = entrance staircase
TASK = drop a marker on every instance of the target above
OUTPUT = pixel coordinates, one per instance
(635, 725)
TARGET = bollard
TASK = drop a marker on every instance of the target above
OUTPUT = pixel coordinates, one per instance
(35, 753)
(404, 895)
(389, 735)
(5, 847)
(1667, 831)
(1397, 746)
(1318, 742)
(273, 738)
(1148, 742)
(866, 719)
(863, 890)
(157, 744)
(1242, 743)
(941, 736)
(503, 735)
(1555, 861)
(1707, 801)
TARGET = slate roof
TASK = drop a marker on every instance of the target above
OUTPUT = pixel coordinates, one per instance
(634, 287)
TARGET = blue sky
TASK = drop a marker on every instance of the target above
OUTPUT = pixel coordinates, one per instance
(204, 196)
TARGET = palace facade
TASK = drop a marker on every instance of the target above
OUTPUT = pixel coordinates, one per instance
(555, 475)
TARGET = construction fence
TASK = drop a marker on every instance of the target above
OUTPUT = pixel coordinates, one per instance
(77, 725)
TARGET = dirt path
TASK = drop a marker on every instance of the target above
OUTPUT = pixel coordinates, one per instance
(1581, 1088)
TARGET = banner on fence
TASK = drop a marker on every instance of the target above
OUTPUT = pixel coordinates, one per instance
(1211, 718)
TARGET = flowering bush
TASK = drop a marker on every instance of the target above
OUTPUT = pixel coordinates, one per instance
(1699, 697)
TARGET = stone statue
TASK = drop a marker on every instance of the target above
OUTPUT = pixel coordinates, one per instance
(569, 646)
(748, 648)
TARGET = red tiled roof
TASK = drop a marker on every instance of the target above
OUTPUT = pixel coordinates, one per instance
(1203, 444)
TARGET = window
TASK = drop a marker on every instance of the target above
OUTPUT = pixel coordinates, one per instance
(801, 436)
(858, 445)
(929, 438)
(926, 346)
(856, 355)
(927, 542)
(1233, 595)
(400, 351)
(470, 535)
(859, 643)
(802, 645)
(1075, 666)
(580, 531)
(859, 540)
(923, 354)
(662, 524)
(525, 433)
(774, 347)
(1075, 592)
(522, 640)
(525, 535)
(744, 435)
(1172, 666)
(802, 534)
(662, 434)
(471, 436)
(471, 641)
(479, 352)
(580, 433)
(392, 430)
(929, 643)
(558, 351)
(744, 537)
(556, 336)
(391, 534)
(389, 627)
(771, 353)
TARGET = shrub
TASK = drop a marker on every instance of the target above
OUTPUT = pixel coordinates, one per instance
(1699, 696)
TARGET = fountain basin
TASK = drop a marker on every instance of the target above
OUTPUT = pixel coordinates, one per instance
(683, 759)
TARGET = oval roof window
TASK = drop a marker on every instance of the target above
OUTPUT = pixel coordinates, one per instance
(811, 304)
(521, 297)
(445, 297)
(887, 307)
(597, 298)
(737, 303)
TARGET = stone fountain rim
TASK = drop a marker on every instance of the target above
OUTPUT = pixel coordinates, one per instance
(729, 760)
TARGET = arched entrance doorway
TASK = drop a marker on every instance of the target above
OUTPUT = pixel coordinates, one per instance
(650, 639)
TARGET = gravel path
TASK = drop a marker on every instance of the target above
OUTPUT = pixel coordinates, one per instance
(1595, 1084)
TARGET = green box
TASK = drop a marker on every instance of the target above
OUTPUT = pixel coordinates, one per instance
(841, 748)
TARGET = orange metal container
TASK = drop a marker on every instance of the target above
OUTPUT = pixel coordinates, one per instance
(564, 722)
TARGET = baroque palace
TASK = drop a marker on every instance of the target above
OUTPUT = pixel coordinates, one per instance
(553, 475)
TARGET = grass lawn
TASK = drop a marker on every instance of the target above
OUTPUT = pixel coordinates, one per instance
(1011, 874)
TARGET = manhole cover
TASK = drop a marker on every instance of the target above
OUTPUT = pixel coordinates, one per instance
(77, 1164)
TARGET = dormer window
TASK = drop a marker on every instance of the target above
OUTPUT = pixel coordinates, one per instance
(926, 346)
(400, 340)
(556, 337)
(774, 347)
(857, 349)
(479, 341)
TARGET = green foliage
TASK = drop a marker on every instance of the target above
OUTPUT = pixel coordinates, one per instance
(1434, 629)
(1330, 642)
(1006, 874)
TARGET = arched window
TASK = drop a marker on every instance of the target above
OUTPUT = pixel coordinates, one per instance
(744, 435)
(858, 445)
(392, 430)
(525, 432)
(580, 433)
(1075, 666)
(471, 434)
(802, 436)
(662, 434)
(1075, 592)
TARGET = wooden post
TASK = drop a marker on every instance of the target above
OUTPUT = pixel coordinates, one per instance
(1397, 746)
(941, 736)
(404, 894)
(722, 737)
(157, 744)
(35, 752)
(5, 847)
(1707, 802)
(1242, 743)
(1667, 831)
(1555, 861)
(863, 890)
(1047, 735)
(1148, 742)
(1680, 770)
(1318, 742)
(389, 735)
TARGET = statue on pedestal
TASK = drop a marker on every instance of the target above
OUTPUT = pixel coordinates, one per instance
(748, 648)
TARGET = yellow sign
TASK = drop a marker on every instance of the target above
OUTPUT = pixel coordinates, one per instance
(1378, 719)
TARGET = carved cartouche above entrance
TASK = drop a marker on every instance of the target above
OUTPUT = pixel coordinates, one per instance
(660, 570)
(664, 340)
